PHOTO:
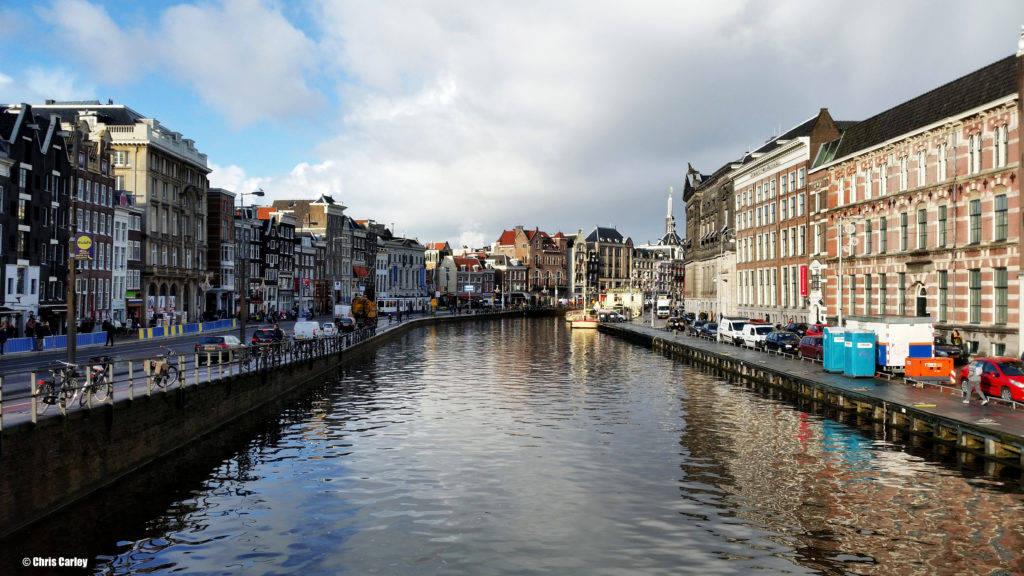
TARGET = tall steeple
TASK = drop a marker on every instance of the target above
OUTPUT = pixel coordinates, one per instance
(670, 220)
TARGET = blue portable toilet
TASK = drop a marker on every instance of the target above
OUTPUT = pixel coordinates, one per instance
(860, 353)
(834, 349)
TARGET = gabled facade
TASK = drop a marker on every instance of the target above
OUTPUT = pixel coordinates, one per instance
(545, 257)
(221, 254)
(923, 210)
(169, 178)
(614, 257)
(710, 244)
(772, 230)
(36, 181)
(127, 274)
(92, 207)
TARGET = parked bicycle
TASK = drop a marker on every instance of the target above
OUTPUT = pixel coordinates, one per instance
(163, 372)
(100, 381)
(60, 389)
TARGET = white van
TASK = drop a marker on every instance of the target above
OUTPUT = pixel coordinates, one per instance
(306, 330)
(731, 330)
(754, 334)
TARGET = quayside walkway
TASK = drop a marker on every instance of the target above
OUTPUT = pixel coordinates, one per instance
(935, 413)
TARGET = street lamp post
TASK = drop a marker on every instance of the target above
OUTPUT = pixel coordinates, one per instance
(850, 228)
(243, 313)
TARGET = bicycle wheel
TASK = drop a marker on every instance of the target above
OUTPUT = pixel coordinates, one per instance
(68, 392)
(45, 397)
(244, 360)
(102, 390)
(172, 375)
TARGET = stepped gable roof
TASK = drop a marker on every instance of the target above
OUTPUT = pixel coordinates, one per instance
(995, 81)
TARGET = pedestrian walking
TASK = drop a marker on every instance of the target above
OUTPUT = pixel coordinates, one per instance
(974, 372)
(4, 329)
(42, 331)
(109, 328)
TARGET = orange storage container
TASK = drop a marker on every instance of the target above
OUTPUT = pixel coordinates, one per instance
(928, 367)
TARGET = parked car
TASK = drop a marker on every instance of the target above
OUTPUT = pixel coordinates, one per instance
(731, 330)
(306, 330)
(811, 346)
(782, 341)
(214, 347)
(710, 330)
(942, 348)
(1001, 376)
(328, 330)
(346, 324)
(798, 327)
(754, 335)
(268, 336)
(696, 328)
(675, 323)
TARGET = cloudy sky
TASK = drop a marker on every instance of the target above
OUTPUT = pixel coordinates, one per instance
(456, 119)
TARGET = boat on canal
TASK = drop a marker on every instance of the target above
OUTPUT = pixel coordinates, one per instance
(585, 319)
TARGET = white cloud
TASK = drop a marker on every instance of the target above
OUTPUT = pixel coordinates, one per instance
(86, 32)
(243, 58)
(457, 119)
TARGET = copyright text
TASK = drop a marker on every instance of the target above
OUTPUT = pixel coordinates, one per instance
(54, 562)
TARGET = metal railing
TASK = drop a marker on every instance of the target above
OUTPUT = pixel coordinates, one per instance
(104, 379)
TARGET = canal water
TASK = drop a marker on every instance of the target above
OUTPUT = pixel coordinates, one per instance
(523, 447)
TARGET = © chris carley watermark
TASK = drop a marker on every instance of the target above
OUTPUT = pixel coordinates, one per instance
(54, 562)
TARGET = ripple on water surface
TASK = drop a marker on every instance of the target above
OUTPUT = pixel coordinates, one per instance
(524, 447)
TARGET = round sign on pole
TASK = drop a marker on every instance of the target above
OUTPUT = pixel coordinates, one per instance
(850, 227)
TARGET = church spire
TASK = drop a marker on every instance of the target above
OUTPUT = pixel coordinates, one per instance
(670, 221)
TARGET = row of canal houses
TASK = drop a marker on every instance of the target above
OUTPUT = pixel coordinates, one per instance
(128, 201)
(912, 212)
(160, 246)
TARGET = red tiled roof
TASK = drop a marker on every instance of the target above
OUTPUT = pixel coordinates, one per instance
(507, 238)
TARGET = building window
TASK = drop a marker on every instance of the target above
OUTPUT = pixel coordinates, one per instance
(1001, 289)
(904, 171)
(1002, 145)
(922, 229)
(901, 294)
(974, 292)
(922, 163)
(883, 235)
(943, 296)
(883, 179)
(867, 237)
(941, 161)
(882, 295)
(904, 227)
(851, 297)
(974, 154)
(942, 226)
(1001, 218)
(801, 177)
(867, 294)
(975, 222)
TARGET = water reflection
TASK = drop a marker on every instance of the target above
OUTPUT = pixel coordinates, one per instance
(525, 447)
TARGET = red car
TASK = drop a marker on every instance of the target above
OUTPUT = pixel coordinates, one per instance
(811, 346)
(1001, 376)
